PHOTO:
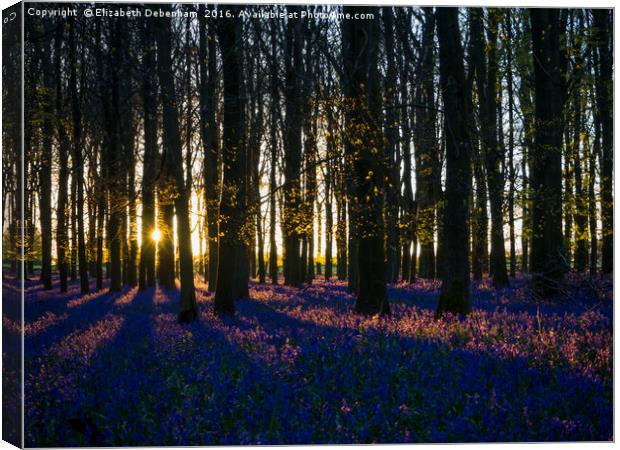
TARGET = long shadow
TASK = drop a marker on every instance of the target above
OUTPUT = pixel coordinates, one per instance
(38, 301)
(278, 311)
(267, 377)
(480, 367)
(467, 373)
(59, 410)
(69, 314)
(133, 384)
(484, 297)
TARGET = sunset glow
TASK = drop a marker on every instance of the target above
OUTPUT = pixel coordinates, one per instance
(156, 235)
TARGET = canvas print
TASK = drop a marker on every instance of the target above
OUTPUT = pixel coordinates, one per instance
(230, 224)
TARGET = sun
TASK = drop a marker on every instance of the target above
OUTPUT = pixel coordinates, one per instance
(156, 235)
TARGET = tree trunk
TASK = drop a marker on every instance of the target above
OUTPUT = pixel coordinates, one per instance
(581, 206)
(151, 156)
(341, 226)
(604, 103)
(392, 194)
(78, 165)
(45, 171)
(101, 209)
(365, 141)
(493, 159)
(130, 232)
(62, 240)
(273, 144)
(592, 207)
(293, 202)
(426, 151)
(173, 154)
(527, 110)
(568, 198)
(330, 165)
(256, 138)
(208, 81)
(107, 72)
(311, 156)
(511, 144)
(74, 251)
(595, 153)
(260, 236)
(548, 262)
(242, 274)
(329, 227)
(91, 245)
(232, 155)
(407, 204)
(480, 218)
(455, 289)
(165, 216)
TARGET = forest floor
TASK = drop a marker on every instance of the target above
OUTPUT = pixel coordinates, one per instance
(297, 366)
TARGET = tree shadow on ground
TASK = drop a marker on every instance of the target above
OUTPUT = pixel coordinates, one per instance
(277, 374)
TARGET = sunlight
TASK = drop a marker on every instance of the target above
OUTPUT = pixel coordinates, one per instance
(82, 344)
(156, 235)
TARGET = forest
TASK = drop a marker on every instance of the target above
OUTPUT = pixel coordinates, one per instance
(312, 224)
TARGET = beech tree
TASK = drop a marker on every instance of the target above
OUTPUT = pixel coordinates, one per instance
(604, 101)
(78, 166)
(548, 262)
(293, 143)
(365, 140)
(173, 155)
(151, 156)
(455, 290)
(231, 214)
(210, 138)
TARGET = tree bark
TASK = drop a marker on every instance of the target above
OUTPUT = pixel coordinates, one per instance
(45, 170)
(310, 152)
(455, 289)
(101, 209)
(493, 159)
(173, 154)
(548, 262)
(592, 207)
(151, 156)
(293, 201)
(62, 240)
(208, 79)
(511, 144)
(273, 144)
(392, 194)
(78, 161)
(480, 218)
(129, 211)
(594, 154)
(581, 206)
(260, 236)
(604, 103)
(107, 73)
(242, 274)
(426, 151)
(165, 217)
(331, 146)
(232, 218)
(527, 110)
(365, 141)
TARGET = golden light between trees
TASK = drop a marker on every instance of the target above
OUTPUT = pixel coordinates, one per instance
(156, 235)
